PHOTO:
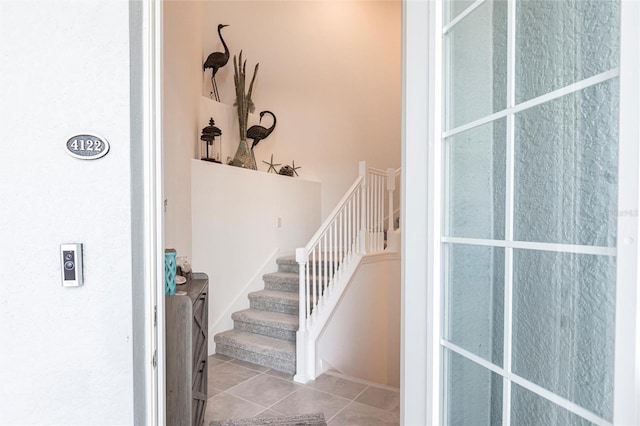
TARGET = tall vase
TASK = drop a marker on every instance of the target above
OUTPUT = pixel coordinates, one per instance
(243, 157)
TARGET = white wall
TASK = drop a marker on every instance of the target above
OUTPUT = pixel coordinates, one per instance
(181, 96)
(329, 70)
(235, 214)
(66, 354)
(362, 338)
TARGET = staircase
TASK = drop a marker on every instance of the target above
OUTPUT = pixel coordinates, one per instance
(307, 287)
(265, 334)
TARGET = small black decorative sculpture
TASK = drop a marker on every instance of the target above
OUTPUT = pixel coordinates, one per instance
(289, 170)
(215, 61)
(208, 136)
(257, 132)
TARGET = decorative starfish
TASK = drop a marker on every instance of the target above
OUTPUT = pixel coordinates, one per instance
(272, 165)
(295, 168)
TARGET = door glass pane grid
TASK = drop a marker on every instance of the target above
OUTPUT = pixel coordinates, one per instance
(563, 325)
(476, 64)
(563, 42)
(566, 175)
(456, 8)
(552, 399)
(476, 278)
(510, 115)
(475, 185)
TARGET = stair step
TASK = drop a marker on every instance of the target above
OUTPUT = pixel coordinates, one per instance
(274, 301)
(262, 350)
(281, 281)
(272, 324)
(289, 264)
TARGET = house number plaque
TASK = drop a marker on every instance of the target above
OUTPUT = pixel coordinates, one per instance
(87, 147)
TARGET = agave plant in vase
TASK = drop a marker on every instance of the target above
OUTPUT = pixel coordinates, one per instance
(243, 157)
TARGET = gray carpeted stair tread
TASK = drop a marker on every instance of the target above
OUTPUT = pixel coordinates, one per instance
(266, 318)
(285, 302)
(287, 260)
(265, 333)
(286, 365)
(286, 276)
(282, 281)
(283, 297)
(263, 345)
(283, 276)
(289, 264)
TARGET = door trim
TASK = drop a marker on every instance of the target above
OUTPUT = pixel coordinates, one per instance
(627, 365)
(419, 368)
(153, 216)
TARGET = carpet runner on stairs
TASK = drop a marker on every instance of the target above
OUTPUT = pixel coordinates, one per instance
(265, 333)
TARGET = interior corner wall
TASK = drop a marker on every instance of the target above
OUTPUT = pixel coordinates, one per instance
(329, 70)
(362, 339)
(182, 82)
(239, 229)
(66, 354)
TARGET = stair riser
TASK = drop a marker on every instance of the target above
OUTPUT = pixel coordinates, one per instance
(282, 286)
(265, 305)
(265, 330)
(294, 268)
(288, 284)
(284, 365)
(288, 267)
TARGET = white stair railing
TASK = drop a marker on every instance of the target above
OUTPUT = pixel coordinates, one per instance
(354, 228)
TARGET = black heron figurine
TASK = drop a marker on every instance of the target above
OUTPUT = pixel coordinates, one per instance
(215, 61)
(257, 132)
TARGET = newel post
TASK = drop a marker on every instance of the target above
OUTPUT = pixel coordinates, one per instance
(391, 186)
(364, 209)
(392, 236)
(302, 357)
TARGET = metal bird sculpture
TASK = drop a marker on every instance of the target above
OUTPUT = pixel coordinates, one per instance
(215, 61)
(257, 132)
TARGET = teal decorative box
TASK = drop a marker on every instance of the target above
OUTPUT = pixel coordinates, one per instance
(170, 272)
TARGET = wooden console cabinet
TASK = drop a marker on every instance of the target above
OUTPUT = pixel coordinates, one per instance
(186, 324)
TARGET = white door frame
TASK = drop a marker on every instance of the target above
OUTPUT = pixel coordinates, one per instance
(422, 114)
(152, 191)
(420, 322)
(627, 370)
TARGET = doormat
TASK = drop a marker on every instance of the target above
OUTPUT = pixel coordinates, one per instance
(316, 419)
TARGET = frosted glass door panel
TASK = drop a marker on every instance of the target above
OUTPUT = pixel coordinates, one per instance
(455, 8)
(474, 393)
(475, 300)
(477, 65)
(530, 147)
(563, 325)
(529, 409)
(476, 173)
(562, 42)
(566, 166)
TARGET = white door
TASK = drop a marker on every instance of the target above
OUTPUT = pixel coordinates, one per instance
(533, 212)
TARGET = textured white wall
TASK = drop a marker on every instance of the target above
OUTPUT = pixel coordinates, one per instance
(235, 233)
(363, 337)
(66, 353)
(182, 50)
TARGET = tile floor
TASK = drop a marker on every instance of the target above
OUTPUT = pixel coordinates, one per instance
(238, 389)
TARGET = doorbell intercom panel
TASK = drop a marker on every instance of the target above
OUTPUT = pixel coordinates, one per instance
(71, 258)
